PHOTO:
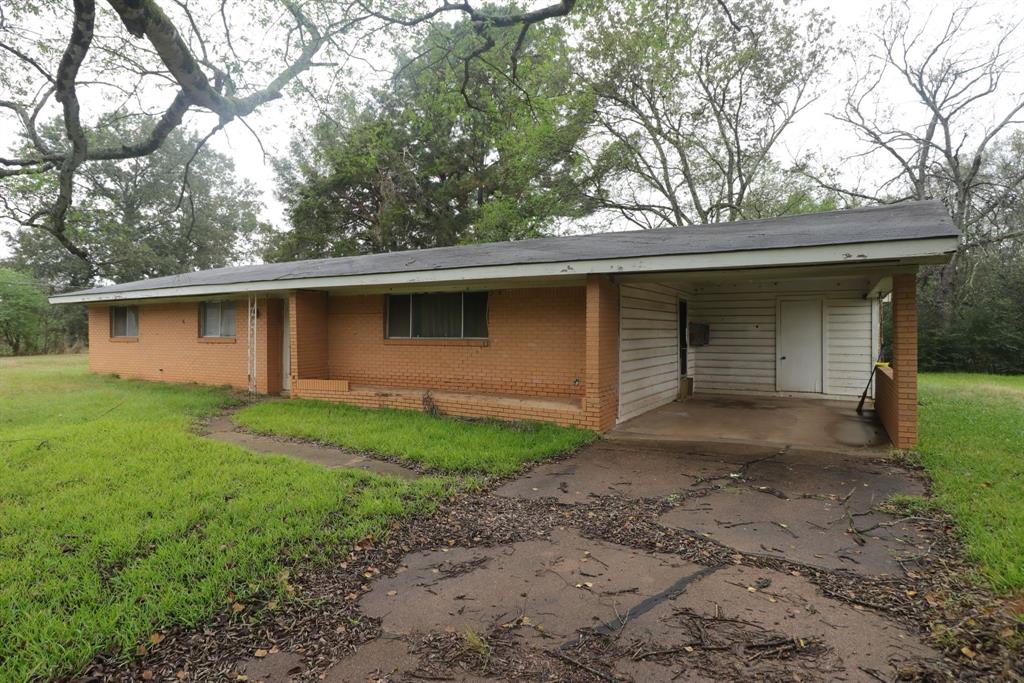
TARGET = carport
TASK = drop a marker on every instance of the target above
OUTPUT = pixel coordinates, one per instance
(772, 354)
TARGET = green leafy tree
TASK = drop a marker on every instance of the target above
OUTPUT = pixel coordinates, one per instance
(179, 209)
(23, 309)
(86, 63)
(692, 98)
(451, 151)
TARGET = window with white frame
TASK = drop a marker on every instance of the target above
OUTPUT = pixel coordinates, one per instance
(439, 315)
(124, 321)
(217, 319)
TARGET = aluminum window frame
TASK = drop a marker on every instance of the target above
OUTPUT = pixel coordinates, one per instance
(221, 304)
(113, 322)
(462, 316)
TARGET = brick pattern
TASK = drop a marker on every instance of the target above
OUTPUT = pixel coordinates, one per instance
(461, 404)
(601, 401)
(904, 359)
(170, 349)
(534, 347)
(308, 321)
(551, 355)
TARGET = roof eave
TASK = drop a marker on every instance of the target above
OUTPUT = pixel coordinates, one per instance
(921, 250)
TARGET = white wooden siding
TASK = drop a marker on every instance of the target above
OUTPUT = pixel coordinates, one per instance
(648, 347)
(742, 318)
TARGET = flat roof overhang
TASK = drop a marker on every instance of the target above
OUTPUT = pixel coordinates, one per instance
(894, 253)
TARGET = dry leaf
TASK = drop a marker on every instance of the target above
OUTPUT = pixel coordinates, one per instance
(392, 594)
(261, 653)
(147, 675)
(156, 638)
(968, 652)
(237, 607)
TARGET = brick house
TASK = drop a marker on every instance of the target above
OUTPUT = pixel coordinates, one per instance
(585, 330)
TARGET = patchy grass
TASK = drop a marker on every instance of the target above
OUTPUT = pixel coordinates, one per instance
(443, 443)
(972, 445)
(117, 521)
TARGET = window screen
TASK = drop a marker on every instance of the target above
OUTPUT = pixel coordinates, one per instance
(217, 319)
(440, 315)
(124, 321)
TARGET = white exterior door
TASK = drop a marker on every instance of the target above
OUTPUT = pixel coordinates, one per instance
(798, 352)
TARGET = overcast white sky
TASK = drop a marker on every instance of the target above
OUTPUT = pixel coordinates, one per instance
(814, 132)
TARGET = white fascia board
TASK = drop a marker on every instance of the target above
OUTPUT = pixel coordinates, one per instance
(866, 252)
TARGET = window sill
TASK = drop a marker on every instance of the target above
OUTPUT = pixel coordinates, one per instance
(423, 341)
(217, 340)
(124, 340)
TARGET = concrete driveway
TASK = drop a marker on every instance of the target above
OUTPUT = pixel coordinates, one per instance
(658, 561)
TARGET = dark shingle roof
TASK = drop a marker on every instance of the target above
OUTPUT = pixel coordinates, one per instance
(905, 221)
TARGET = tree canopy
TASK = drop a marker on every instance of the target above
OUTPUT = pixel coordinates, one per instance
(448, 152)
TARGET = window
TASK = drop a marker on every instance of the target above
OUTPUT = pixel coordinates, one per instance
(442, 315)
(124, 321)
(217, 319)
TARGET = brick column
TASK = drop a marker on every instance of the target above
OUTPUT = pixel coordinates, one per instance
(601, 388)
(308, 329)
(904, 358)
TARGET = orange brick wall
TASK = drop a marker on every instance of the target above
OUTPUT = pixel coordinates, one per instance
(601, 402)
(170, 349)
(904, 359)
(308, 313)
(535, 347)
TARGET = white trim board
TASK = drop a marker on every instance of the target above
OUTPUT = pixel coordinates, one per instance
(894, 251)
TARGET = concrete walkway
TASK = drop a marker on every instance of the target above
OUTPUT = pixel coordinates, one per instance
(223, 428)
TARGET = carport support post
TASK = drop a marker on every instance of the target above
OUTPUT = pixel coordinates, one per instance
(904, 358)
(601, 384)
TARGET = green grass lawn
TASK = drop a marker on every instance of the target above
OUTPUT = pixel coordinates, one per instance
(117, 521)
(972, 445)
(447, 444)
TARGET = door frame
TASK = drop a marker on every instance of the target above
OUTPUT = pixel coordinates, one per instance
(822, 336)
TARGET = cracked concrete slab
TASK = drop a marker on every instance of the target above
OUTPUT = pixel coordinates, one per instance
(383, 660)
(561, 584)
(794, 505)
(807, 530)
(724, 609)
(652, 469)
(755, 623)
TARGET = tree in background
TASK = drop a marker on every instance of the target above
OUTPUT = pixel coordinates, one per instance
(692, 98)
(138, 218)
(451, 151)
(155, 62)
(961, 143)
(23, 310)
(144, 217)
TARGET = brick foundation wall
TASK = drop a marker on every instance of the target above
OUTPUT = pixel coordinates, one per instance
(535, 347)
(169, 348)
